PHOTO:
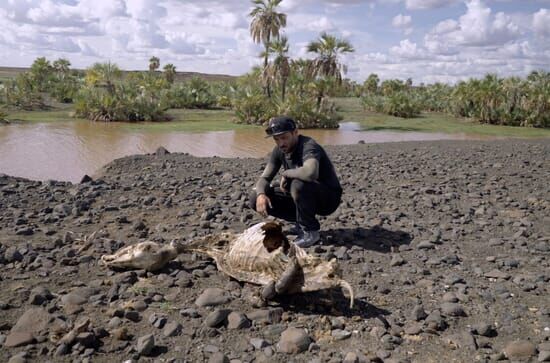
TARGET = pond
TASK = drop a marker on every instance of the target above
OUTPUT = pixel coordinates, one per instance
(68, 150)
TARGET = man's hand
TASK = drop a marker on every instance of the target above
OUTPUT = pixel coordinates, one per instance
(283, 183)
(262, 202)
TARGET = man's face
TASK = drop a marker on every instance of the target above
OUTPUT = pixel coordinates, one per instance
(287, 141)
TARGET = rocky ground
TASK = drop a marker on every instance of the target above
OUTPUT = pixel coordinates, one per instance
(447, 245)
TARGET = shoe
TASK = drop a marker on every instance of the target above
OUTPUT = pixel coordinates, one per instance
(296, 230)
(308, 239)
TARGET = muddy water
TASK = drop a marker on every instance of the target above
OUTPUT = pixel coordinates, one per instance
(68, 150)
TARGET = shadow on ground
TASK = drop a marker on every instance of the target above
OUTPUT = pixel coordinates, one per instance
(328, 302)
(375, 239)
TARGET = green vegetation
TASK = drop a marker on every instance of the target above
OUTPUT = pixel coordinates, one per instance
(492, 100)
(352, 111)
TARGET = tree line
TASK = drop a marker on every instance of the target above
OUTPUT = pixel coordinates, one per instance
(512, 101)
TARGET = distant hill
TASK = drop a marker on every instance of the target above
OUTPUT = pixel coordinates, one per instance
(10, 72)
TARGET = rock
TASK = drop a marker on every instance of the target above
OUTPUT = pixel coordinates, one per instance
(216, 318)
(259, 343)
(40, 295)
(462, 341)
(268, 316)
(172, 329)
(12, 255)
(425, 245)
(450, 297)
(218, 357)
(213, 296)
(418, 313)
(79, 296)
(339, 334)
(34, 321)
(397, 260)
(86, 179)
(20, 357)
(293, 341)
(236, 320)
(520, 350)
(452, 309)
(145, 344)
(161, 151)
(413, 328)
(544, 356)
(497, 274)
(484, 329)
(17, 339)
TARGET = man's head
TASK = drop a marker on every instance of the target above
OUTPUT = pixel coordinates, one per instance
(284, 132)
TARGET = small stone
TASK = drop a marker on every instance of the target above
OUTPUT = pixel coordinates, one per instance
(216, 318)
(236, 320)
(212, 296)
(120, 334)
(449, 297)
(259, 343)
(397, 260)
(425, 245)
(218, 357)
(413, 329)
(418, 313)
(145, 344)
(520, 349)
(20, 357)
(544, 356)
(293, 341)
(452, 309)
(497, 274)
(484, 329)
(17, 339)
(172, 329)
(339, 334)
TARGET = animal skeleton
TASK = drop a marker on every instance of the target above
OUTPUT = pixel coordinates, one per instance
(260, 255)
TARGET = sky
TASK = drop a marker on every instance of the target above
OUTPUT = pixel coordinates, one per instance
(426, 40)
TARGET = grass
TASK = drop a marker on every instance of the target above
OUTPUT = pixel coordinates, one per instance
(352, 110)
(182, 120)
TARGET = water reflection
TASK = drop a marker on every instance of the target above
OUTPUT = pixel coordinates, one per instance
(68, 150)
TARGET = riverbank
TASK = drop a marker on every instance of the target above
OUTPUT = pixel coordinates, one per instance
(445, 243)
(194, 120)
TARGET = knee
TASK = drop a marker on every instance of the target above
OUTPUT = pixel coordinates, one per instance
(298, 189)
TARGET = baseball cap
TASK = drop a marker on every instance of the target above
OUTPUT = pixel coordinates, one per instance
(280, 125)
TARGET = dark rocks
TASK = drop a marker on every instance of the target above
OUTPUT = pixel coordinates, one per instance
(236, 320)
(452, 309)
(145, 344)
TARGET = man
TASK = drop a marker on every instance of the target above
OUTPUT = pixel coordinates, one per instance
(309, 185)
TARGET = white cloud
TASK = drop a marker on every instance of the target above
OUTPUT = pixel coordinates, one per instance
(427, 4)
(406, 49)
(401, 21)
(541, 23)
(477, 27)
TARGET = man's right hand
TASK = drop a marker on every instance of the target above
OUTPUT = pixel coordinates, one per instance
(262, 202)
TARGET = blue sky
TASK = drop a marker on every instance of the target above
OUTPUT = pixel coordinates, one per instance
(427, 40)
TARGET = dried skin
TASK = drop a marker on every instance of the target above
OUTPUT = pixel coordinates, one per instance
(260, 255)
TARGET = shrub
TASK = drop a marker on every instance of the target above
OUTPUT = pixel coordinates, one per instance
(402, 104)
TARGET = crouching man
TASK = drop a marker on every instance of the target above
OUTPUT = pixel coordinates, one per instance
(309, 185)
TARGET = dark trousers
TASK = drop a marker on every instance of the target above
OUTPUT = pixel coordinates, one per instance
(304, 201)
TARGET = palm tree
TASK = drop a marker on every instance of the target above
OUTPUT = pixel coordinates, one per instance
(266, 24)
(103, 75)
(61, 65)
(41, 71)
(154, 64)
(328, 49)
(281, 64)
(169, 72)
(371, 83)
